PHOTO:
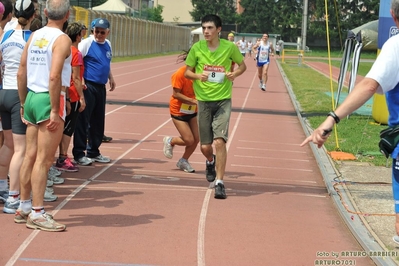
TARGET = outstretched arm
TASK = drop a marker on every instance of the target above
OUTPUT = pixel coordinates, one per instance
(362, 92)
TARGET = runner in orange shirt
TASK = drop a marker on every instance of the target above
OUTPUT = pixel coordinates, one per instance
(183, 110)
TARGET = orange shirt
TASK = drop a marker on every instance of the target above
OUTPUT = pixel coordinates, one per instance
(185, 85)
(77, 61)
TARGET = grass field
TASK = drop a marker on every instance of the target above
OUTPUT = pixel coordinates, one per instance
(358, 134)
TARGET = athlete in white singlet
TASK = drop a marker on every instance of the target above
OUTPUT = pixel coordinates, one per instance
(264, 49)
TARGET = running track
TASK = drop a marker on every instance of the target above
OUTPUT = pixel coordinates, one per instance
(141, 210)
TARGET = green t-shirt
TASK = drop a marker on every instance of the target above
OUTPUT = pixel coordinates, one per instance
(218, 62)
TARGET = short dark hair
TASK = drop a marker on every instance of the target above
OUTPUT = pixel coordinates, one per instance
(73, 30)
(212, 18)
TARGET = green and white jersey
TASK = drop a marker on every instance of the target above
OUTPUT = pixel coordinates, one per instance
(217, 63)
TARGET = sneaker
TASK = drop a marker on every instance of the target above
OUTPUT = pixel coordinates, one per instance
(66, 166)
(220, 192)
(396, 239)
(106, 139)
(210, 171)
(101, 159)
(21, 216)
(49, 196)
(84, 161)
(50, 183)
(167, 148)
(263, 88)
(54, 171)
(72, 162)
(44, 222)
(56, 180)
(260, 84)
(184, 165)
(11, 206)
(50, 190)
(3, 195)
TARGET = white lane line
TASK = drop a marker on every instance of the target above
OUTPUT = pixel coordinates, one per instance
(273, 193)
(31, 237)
(124, 133)
(279, 150)
(267, 167)
(270, 158)
(268, 142)
(276, 179)
(205, 204)
(142, 70)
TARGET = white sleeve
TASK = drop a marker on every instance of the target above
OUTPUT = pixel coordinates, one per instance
(84, 46)
(385, 69)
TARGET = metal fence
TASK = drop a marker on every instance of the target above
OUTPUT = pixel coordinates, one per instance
(132, 36)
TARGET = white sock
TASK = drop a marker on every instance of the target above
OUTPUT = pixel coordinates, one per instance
(36, 212)
(25, 205)
(218, 181)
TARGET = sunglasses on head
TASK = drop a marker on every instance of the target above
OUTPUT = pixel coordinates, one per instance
(100, 32)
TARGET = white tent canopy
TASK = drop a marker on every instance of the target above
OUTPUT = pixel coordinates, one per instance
(196, 35)
(197, 31)
(112, 6)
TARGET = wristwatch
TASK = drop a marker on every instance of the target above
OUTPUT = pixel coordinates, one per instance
(334, 115)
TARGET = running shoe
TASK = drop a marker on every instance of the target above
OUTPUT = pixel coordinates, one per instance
(210, 170)
(3, 195)
(220, 192)
(44, 222)
(184, 165)
(167, 147)
(263, 88)
(54, 171)
(56, 180)
(11, 206)
(21, 216)
(49, 196)
(66, 165)
(100, 159)
(49, 183)
(396, 239)
(84, 161)
(106, 139)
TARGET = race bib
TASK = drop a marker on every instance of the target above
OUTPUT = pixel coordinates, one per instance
(263, 56)
(217, 73)
(188, 108)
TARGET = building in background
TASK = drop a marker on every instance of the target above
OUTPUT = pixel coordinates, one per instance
(175, 11)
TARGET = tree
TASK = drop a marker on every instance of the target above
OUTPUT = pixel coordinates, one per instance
(98, 2)
(284, 17)
(155, 14)
(87, 3)
(271, 16)
(344, 15)
(225, 9)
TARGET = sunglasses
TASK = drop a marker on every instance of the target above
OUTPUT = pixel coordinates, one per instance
(100, 32)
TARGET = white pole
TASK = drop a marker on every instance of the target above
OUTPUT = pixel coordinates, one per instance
(304, 23)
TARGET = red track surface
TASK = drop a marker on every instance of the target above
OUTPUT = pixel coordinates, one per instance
(141, 210)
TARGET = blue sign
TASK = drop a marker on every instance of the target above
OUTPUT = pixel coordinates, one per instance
(386, 25)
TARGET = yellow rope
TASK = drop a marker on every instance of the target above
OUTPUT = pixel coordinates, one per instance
(331, 78)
